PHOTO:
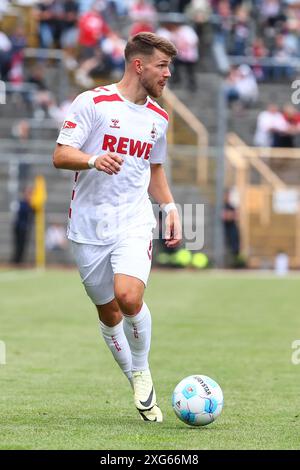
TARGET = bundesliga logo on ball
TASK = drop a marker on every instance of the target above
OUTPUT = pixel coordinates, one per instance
(197, 400)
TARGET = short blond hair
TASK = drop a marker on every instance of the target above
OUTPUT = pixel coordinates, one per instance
(145, 43)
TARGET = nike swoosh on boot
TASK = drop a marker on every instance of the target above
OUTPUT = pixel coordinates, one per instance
(148, 401)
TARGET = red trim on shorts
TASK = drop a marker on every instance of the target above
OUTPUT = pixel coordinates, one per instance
(73, 194)
(76, 176)
(70, 213)
(114, 97)
(149, 251)
(158, 110)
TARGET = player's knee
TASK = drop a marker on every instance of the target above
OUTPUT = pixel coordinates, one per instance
(110, 313)
(110, 318)
(129, 301)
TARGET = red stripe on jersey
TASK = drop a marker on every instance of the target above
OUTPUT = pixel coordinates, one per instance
(70, 213)
(96, 90)
(113, 97)
(158, 110)
(73, 194)
(76, 176)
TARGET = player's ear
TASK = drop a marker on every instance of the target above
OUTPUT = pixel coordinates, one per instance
(138, 66)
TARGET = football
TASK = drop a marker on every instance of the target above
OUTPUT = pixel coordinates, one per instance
(197, 400)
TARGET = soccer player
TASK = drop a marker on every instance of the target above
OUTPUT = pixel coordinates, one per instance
(114, 137)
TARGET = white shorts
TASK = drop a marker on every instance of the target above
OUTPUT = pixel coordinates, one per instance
(98, 264)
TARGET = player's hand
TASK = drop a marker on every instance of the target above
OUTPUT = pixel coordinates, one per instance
(110, 163)
(173, 233)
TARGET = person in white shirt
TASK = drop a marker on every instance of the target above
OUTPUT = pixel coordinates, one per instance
(246, 85)
(269, 121)
(186, 42)
(114, 138)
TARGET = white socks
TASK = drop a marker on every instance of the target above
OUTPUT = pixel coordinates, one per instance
(137, 329)
(118, 344)
(129, 341)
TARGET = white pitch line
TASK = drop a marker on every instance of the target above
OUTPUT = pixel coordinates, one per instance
(11, 276)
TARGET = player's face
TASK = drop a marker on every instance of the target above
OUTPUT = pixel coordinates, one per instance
(155, 72)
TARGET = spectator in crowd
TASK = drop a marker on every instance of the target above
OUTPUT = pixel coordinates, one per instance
(22, 226)
(139, 10)
(260, 51)
(282, 53)
(19, 42)
(18, 39)
(240, 32)
(40, 98)
(230, 86)
(222, 22)
(270, 125)
(141, 27)
(286, 138)
(21, 135)
(246, 85)
(5, 55)
(165, 30)
(143, 15)
(56, 237)
(185, 39)
(230, 224)
(113, 49)
(271, 13)
(281, 263)
(291, 114)
(49, 14)
(69, 34)
(92, 30)
(199, 11)
(241, 86)
(186, 42)
(57, 23)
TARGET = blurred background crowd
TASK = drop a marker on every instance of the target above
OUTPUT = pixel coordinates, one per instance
(50, 50)
(92, 35)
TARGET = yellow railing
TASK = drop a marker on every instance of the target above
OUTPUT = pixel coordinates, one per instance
(257, 216)
(253, 156)
(173, 106)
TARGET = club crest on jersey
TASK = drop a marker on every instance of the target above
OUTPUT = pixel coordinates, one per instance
(115, 124)
(153, 132)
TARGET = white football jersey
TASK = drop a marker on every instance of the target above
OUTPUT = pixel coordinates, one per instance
(105, 206)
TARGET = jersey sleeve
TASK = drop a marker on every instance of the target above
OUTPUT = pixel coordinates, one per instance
(78, 123)
(159, 151)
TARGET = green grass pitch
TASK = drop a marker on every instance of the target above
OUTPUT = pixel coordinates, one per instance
(61, 389)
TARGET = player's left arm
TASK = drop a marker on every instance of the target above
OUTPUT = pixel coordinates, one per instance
(161, 193)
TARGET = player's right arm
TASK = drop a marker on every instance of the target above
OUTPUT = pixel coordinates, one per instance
(69, 158)
(77, 130)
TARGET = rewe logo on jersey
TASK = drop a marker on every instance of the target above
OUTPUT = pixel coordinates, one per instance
(126, 146)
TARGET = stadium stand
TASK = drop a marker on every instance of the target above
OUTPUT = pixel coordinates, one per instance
(234, 44)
